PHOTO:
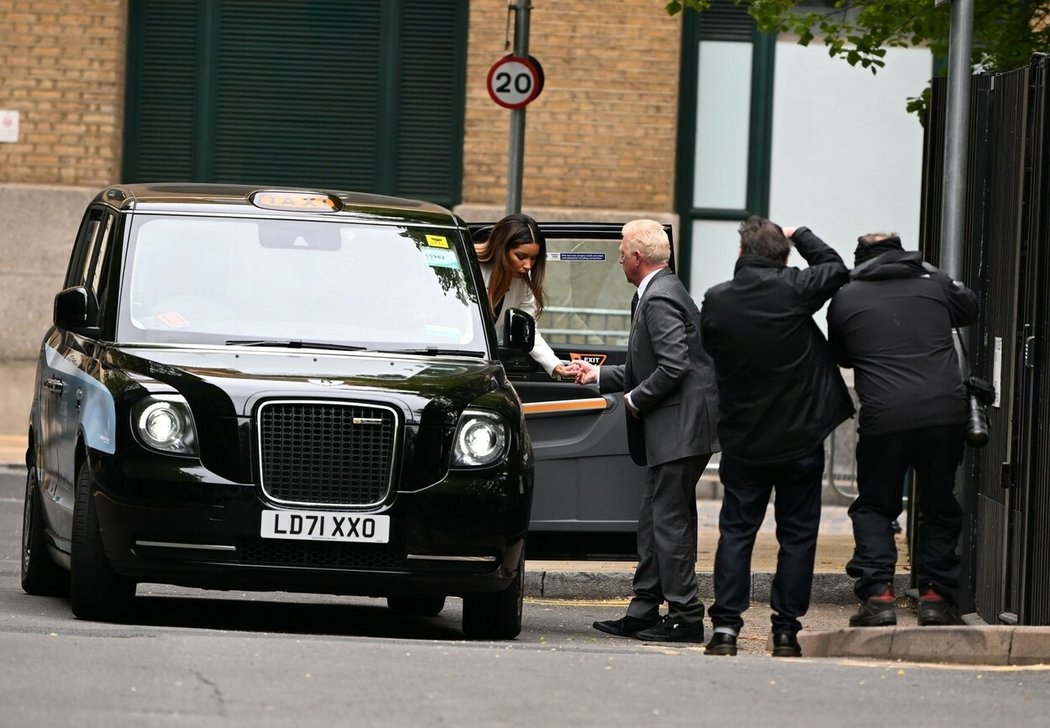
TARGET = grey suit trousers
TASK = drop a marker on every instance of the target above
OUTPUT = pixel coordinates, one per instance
(667, 535)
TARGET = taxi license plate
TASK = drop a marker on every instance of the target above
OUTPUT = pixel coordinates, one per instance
(325, 526)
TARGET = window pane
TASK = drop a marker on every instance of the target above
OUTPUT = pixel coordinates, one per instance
(716, 245)
(588, 298)
(723, 116)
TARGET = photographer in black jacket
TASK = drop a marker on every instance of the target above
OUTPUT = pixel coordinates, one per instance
(893, 324)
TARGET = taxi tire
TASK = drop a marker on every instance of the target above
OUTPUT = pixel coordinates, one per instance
(416, 606)
(496, 616)
(96, 593)
(41, 576)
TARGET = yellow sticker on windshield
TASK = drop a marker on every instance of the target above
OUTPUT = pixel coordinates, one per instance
(437, 241)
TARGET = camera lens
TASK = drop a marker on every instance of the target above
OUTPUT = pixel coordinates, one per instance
(977, 424)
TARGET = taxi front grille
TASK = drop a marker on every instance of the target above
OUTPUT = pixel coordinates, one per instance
(323, 453)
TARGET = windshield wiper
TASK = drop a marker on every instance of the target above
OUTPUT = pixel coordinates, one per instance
(293, 344)
(433, 351)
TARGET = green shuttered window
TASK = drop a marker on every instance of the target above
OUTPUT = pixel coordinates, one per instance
(364, 95)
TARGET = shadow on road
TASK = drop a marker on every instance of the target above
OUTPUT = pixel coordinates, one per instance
(250, 615)
(358, 618)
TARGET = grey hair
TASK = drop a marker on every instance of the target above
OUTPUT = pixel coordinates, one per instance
(648, 237)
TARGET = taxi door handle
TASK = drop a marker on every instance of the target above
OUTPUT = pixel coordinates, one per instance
(54, 385)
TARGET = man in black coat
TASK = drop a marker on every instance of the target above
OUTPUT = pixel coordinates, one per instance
(671, 407)
(893, 324)
(780, 396)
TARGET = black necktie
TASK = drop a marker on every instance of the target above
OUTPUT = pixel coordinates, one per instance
(634, 304)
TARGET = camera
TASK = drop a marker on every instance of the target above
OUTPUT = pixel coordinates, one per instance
(981, 394)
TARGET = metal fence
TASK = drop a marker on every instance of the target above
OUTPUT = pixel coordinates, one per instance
(1005, 486)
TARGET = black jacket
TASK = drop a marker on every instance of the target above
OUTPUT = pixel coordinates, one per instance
(892, 323)
(779, 389)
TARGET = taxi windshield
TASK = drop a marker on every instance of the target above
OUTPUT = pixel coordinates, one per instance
(218, 280)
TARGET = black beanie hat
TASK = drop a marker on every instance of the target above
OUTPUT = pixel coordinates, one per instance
(867, 251)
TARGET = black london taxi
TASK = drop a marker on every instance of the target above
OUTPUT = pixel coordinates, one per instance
(277, 389)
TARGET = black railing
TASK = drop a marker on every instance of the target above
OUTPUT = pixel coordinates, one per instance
(1005, 486)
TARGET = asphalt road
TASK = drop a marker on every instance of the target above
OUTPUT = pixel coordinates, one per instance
(233, 659)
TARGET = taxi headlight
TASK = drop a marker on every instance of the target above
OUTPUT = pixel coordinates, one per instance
(481, 439)
(165, 423)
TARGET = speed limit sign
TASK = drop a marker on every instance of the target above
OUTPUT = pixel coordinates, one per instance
(514, 81)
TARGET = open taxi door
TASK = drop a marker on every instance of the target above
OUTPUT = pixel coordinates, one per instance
(587, 488)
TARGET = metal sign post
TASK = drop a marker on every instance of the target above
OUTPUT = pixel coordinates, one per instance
(953, 217)
(956, 141)
(516, 151)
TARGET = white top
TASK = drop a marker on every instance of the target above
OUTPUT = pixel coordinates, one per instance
(519, 295)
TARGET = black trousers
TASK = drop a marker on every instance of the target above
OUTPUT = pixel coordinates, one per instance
(882, 463)
(667, 537)
(797, 511)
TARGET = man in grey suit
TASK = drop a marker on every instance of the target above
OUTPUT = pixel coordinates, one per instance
(672, 408)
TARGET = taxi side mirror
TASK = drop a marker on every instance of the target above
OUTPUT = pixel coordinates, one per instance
(519, 331)
(76, 310)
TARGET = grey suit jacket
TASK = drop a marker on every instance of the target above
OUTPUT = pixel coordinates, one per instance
(669, 375)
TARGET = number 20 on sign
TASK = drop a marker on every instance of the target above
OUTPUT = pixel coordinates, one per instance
(513, 82)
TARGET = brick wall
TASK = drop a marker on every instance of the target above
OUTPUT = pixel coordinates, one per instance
(63, 71)
(602, 133)
(600, 136)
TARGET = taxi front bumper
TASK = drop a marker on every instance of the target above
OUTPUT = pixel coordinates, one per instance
(175, 524)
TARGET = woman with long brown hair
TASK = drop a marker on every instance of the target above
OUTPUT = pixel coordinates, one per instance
(512, 262)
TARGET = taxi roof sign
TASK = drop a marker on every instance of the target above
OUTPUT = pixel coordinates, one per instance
(296, 201)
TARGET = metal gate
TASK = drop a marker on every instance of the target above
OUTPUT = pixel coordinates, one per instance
(1004, 487)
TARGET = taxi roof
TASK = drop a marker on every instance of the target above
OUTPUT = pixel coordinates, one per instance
(227, 199)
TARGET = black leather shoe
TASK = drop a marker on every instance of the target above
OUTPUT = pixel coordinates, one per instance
(936, 610)
(625, 626)
(722, 643)
(786, 645)
(876, 611)
(673, 630)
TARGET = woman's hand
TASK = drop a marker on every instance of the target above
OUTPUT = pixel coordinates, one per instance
(565, 371)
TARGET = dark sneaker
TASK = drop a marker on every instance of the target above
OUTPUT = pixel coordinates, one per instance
(786, 645)
(876, 611)
(673, 630)
(722, 643)
(626, 626)
(935, 609)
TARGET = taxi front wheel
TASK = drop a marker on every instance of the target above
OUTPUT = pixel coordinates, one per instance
(41, 576)
(496, 616)
(96, 592)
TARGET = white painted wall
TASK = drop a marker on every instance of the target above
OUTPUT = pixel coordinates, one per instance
(846, 156)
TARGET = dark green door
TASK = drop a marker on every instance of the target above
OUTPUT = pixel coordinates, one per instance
(362, 95)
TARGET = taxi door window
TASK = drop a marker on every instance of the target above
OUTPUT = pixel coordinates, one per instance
(588, 298)
(98, 258)
(100, 273)
(80, 261)
(85, 268)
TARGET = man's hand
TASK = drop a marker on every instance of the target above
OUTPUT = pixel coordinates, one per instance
(586, 373)
(630, 406)
(789, 231)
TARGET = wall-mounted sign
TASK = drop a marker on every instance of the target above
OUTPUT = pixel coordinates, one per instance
(8, 125)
